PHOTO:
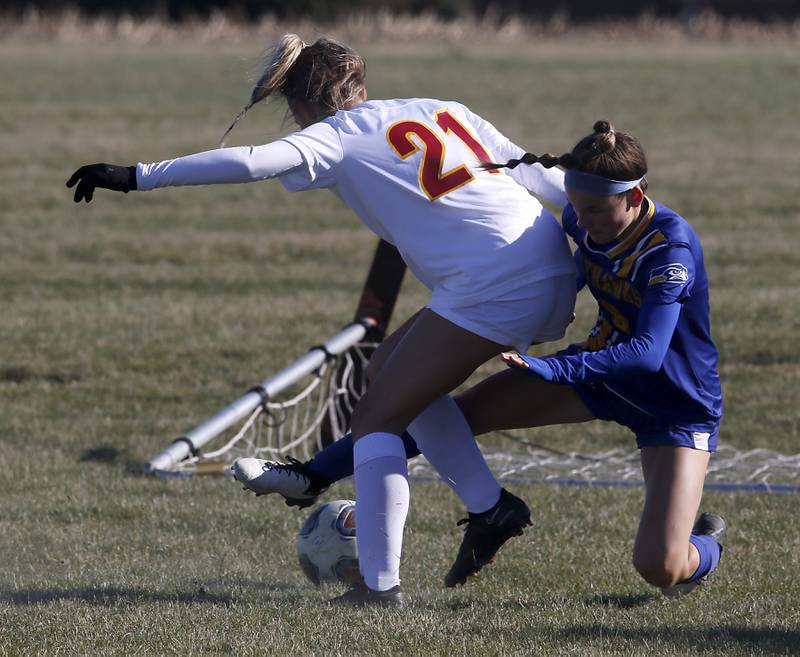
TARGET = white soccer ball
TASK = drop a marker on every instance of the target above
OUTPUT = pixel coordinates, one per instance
(326, 544)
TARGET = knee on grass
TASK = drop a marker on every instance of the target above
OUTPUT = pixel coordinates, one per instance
(662, 569)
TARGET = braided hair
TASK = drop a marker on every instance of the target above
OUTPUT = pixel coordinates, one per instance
(605, 152)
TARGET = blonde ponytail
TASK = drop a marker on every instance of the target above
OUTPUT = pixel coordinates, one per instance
(278, 61)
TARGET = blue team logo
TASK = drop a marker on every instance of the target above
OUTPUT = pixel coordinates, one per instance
(673, 273)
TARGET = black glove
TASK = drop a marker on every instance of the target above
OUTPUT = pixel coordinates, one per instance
(107, 176)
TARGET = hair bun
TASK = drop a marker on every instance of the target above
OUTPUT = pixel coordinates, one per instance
(602, 127)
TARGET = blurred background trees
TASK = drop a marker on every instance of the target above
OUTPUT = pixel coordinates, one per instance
(499, 10)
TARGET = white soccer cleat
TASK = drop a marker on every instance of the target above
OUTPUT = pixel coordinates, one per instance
(291, 480)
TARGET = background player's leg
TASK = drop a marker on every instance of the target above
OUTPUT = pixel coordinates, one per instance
(674, 478)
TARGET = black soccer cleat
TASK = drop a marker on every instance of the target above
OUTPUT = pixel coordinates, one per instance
(708, 524)
(293, 480)
(361, 596)
(485, 534)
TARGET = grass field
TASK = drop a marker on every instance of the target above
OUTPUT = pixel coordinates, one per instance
(127, 321)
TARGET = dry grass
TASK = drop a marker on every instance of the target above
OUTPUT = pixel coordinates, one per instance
(127, 321)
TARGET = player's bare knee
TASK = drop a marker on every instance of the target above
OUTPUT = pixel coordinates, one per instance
(659, 568)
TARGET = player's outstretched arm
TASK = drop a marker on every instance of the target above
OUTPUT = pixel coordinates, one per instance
(241, 164)
(106, 176)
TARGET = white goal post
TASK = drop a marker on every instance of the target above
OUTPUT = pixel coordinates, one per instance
(320, 363)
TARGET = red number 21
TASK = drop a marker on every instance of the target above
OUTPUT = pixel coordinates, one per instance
(433, 182)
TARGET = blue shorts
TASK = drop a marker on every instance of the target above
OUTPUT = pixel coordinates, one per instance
(650, 431)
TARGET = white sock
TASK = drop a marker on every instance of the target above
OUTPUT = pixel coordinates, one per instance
(381, 477)
(444, 437)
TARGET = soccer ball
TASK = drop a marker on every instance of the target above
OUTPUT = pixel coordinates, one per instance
(326, 544)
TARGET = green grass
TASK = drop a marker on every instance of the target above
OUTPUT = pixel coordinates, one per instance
(127, 321)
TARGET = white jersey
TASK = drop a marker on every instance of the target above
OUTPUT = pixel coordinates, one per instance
(409, 170)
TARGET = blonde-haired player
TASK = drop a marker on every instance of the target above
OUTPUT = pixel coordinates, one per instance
(497, 263)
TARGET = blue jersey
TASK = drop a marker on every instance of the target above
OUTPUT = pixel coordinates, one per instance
(651, 345)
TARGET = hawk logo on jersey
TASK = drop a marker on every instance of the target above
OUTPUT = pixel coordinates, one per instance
(673, 273)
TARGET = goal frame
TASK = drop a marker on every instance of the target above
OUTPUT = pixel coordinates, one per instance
(373, 313)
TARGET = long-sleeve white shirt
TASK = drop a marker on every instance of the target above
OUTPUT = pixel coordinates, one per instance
(408, 169)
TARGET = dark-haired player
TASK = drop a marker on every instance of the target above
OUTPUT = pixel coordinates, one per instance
(649, 363)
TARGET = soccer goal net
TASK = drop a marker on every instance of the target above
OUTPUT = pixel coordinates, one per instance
(295, 412)
(730, 469)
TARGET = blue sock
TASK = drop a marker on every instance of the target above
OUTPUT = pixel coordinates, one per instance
(335, 462)
(709, 551)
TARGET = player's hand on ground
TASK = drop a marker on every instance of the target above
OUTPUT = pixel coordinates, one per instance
(106, 176)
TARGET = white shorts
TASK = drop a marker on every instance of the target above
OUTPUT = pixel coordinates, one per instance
(537, 312)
